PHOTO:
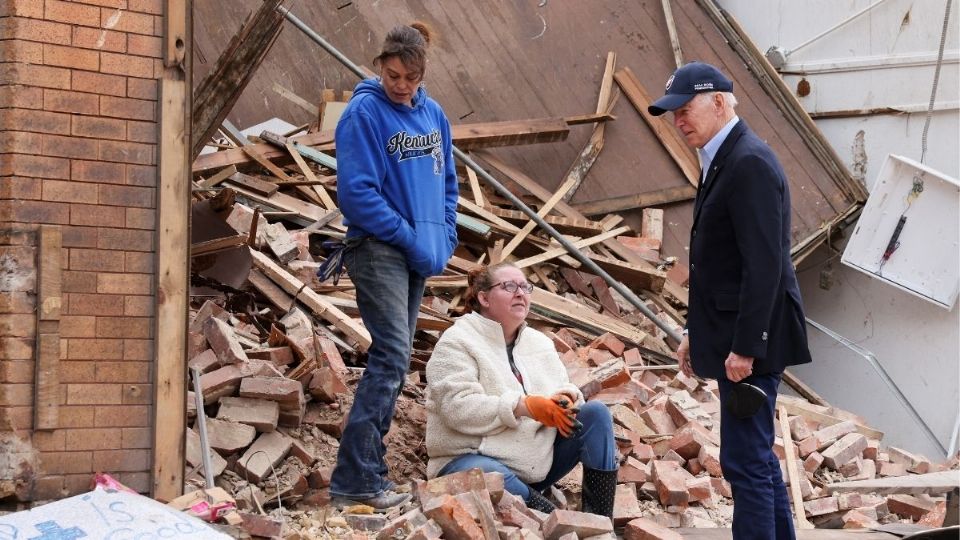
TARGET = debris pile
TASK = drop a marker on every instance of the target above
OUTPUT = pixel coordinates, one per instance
(280, 352)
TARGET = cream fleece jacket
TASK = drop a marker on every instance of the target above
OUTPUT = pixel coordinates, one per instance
(471, 395)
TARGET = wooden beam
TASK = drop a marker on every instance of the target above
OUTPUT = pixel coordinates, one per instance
(475, 188)
(282, 201)
(217, 93)
(560, 194)
(319, 305)
(591, 118)
(487, 215)
(565, 225)
(661, 127)
(632, 275)
(796, 407)
(578, 315)
(935, 483)
(672, 30)
(217, 245)
(591, 150)
(222, 175)
(465, 136)
(527, 183)
(579, 244)
(173, 260)
(646, 199)
(796, 497)
(46, 383)
(254, 184)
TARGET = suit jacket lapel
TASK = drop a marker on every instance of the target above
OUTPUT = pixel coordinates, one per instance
(707, 185)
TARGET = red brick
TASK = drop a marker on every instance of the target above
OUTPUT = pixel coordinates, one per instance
(16, 371)
(98, 83)
(141, 88)
(138, 306)
(14, 187)
(122, 64)
(657, 418)
(154, 7)
(121, 460)
(139, 175)
(21, 97)
(450, 515)
(36, 30)
(77, 326)
(847, 448)
(145, 45)
(83, 237)
(19, 142)
(71, 147)
(134, 109)
(92, 439)
(220, 382)
(97, 171)
(95, 349)
(21, 8)
(819, 507)
(95, 260)
(78, 372)
(125, 416)
(128, 196)
(122, 372)
(645, 529)
(561, 522)
(36, 166)
(138, 349)
(95, 304)
(141, 263)
(127, 239)
(16, 348)
(124, 327)
(36, 121)
(70, 101)
(22, 51)
(144, 132)
(259, 413)
(93, 394)
(36, 75)
(671, 482)
(72, 13)
(137, 437)
(270, 448)
(66, 462)
(126, 21)
(96, 215)
(137, 394)
(76, 416)
(101, 40)
(885, 468)
(100, 128)
(71, 57)
(16, 394)
(81, 282)
(50, 441)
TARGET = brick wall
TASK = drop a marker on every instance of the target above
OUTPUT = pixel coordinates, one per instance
(78, 100)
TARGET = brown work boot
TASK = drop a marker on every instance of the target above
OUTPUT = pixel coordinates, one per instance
(381, 503)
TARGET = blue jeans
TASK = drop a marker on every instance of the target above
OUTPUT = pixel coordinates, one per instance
(388, 296)
(761, 509)
(593, 446)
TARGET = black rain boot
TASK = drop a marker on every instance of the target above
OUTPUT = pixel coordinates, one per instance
(599, 489)
(538, 502)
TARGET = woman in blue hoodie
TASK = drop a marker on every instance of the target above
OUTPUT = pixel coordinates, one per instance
(397, 189)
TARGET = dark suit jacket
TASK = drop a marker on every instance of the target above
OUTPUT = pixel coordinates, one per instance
(743, 289)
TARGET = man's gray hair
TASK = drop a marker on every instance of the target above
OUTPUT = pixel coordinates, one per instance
(728, 98)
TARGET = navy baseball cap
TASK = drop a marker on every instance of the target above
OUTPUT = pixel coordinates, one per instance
(688, 81)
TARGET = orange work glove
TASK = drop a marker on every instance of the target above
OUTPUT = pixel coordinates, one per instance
(549, 413)
(564, 399)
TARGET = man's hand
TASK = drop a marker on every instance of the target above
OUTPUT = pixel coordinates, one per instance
(738, 367)
(683, 356)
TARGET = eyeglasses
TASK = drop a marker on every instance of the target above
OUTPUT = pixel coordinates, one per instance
(512, 286)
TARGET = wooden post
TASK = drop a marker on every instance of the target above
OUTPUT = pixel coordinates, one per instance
(792, 471)
(46, 394)
(173, 242)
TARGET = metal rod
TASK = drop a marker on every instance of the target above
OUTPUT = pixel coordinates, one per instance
(469, 162)
(875, 363)
(202, 423)
(836, 26)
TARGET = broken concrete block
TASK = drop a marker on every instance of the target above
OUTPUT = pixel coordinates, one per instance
(366, 522)
(224, 343)
(671, 481)
(626, 507)
(263, 455)
(561, 522)
(908, 506)
(822, 506)
(278, 356)
(645, 529)
(327, 385)
(262, 414)
(450, 515)
(844, 450)
(228, 437)
(402, 525)
(855, 519)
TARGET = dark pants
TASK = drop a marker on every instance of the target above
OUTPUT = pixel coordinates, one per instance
(388, 296)
(593, 446)
(761, 509)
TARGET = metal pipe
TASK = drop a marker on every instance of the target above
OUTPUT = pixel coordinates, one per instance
(469, 162)
(202, 423)
(875, 363)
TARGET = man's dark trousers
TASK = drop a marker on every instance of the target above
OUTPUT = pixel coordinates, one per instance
(761, 509)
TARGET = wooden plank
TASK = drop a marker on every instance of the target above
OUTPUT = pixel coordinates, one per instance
(935, 483)
(569, 184)
(527, 183)
(276, 295)
(579, 244)
(175, 35)
(465, 137)
(488, 215)
(591, 118)
(221, 175)
(321, 192)
(565, 225)
(254, 184)
(46, 381)
(796, 496)
(319, 305)
(646, 199)
(632, 275)
(173, 259)
(217, 244)
(578, 315)
(255, 154)
(672, 30)
(475, 188)
(665, 132)
(282, 201)
(292, 97)
(797, 408)
(591, 150)
(220, 89)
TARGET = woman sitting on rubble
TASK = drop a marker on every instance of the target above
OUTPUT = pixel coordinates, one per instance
(498, 398)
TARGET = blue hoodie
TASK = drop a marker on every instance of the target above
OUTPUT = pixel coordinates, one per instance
(396, 179)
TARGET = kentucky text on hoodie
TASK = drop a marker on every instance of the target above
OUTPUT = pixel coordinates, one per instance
(394, 182)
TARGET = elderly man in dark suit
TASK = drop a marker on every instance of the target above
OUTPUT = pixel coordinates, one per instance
(745, 322)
